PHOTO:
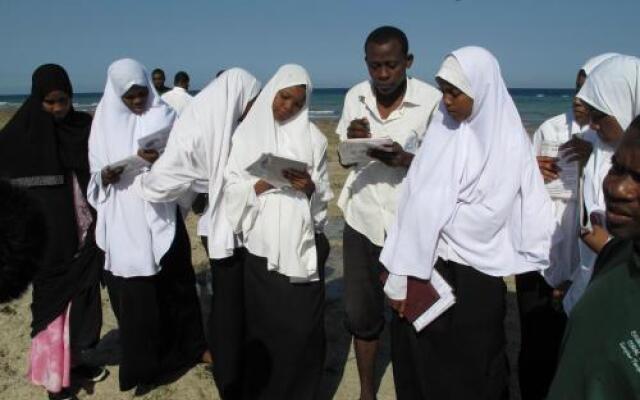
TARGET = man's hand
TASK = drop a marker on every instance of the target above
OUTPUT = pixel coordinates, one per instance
(359, 129)
(577, 149)
(393, 155)
(300, 180)
(262, 186)
(548, 168)
(149, 155)
(110, 176)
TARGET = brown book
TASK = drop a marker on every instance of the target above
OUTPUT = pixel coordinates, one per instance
(421, 295)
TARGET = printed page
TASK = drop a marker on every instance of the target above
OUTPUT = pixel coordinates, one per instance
(566, 186)
(270, 167)
(354, 151)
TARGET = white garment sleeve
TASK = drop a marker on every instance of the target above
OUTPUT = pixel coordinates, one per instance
(240, 199)
(320, 176)
(182, 166)
(396, 287)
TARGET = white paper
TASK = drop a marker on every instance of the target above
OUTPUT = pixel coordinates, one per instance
(354, 151)
(566, 186)
(269, 167)
(131, 166)
(155, 141)
(446, 300)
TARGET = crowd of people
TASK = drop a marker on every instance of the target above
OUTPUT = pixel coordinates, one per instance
(461, 194)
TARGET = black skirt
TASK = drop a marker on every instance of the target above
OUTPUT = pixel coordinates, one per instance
(285, 337)
(159, 318)
(462, 354)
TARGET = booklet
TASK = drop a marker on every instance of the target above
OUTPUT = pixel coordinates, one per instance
(354, 151)
(131, 166)
(155, 141)
(269, 167)
(426, 299)
(566, 186)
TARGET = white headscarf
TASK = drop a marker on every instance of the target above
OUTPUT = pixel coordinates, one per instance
(133, 233)
(286, 235)
(476, 183)
(198, 149)
(613, 87)
(593, 62)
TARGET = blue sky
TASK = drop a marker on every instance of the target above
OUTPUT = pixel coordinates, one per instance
(539, 43)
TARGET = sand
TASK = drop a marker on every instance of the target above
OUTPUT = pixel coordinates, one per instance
(339, 382)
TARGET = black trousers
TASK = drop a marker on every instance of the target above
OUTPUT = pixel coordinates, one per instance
(542, 326)
(226, 324)
(285, 331)
(461, 355)
(363, 291)
(159, 318)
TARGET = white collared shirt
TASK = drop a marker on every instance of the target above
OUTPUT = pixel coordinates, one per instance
(177, 98)
(369, 196)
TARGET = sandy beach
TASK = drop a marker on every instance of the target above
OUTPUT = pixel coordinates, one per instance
(340, 380)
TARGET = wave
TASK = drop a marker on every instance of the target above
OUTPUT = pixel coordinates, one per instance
(540, 95)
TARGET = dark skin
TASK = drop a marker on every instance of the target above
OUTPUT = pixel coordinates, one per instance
(287, 103)
(57, 103)
(387, 65)
(136, 101)
(607, 126)
(158, 80)
(575, 149)
(622, 190)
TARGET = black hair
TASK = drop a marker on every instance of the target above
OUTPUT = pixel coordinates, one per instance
(157, 71)
(181, 77)
(385, 34)
(220, 72)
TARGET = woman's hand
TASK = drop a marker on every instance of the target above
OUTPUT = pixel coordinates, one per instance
(149, 155)
(599, 236)
(261, 187)
(110, 176)
(577, 149)
(300, 180)
(398, 306)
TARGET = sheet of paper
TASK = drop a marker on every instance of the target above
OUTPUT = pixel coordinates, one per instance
(447, 299)
(566, 186)
(269, 167)
(156, 140)
(354, 151)
(131, 166)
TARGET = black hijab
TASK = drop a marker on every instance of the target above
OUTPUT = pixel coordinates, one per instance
(42, 155)
(34, 145)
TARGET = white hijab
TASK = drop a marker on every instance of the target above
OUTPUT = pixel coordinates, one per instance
(593, 62)
(612, 87)
(475, 182)
(133, 233)
(287, 237)
(198, 149)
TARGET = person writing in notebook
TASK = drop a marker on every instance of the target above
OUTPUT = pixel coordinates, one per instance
(389, 104)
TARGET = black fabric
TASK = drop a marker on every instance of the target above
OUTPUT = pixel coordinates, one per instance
(542, 326)
(363, 292)
(32, 145)
(461, 355)
(285, 331)
(20, 241)
(226, 324)
(159, 318)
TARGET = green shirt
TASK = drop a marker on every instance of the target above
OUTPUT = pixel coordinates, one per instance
(600, 356)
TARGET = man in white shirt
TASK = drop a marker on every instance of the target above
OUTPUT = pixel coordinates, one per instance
(392, 105)
(178, 98)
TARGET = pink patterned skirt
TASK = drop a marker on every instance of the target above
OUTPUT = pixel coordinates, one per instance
(50, 356)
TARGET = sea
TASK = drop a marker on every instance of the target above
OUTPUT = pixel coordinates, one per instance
(535, 105)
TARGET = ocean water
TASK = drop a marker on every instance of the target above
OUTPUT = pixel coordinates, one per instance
(535, 105)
